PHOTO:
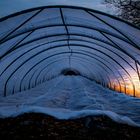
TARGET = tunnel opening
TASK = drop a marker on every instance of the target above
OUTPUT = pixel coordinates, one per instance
(70, 72)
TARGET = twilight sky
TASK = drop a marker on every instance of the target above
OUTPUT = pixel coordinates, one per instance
(11, 6)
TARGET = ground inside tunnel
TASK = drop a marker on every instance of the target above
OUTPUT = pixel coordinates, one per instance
(66, 97)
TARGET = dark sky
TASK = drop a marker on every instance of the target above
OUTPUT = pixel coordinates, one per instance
(10, 6)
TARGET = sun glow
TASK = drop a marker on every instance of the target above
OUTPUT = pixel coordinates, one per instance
(129, 86)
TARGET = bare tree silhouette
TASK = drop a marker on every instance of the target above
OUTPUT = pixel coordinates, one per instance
(130, 10)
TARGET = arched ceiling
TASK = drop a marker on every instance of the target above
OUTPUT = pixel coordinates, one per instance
(38, 44)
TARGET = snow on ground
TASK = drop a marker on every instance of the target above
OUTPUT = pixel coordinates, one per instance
(68, 97)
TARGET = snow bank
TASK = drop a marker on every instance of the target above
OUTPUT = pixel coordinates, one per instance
(66, 114)
(69, 97)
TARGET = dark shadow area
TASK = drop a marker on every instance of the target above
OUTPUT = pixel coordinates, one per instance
(36, 126)
(70, 72)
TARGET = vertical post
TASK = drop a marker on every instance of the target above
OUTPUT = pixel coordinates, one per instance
(136, 63)
(137, 69)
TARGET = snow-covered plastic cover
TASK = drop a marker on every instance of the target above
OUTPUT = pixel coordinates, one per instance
(39, 44)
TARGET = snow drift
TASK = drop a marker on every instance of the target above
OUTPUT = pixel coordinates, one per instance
(66, 97)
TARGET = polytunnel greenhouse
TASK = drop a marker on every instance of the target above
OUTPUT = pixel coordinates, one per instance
(39, 43)
(69, 57)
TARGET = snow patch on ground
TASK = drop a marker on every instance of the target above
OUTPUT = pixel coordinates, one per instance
(66, 97)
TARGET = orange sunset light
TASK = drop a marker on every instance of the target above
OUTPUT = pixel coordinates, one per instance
(130, 86)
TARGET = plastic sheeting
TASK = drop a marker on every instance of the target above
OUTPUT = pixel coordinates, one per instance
(37, 44)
